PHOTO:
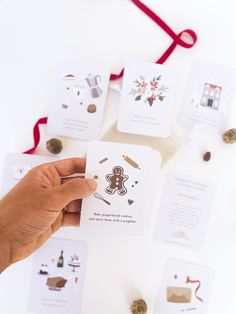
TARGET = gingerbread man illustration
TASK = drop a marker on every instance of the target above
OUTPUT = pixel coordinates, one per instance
(116, 181)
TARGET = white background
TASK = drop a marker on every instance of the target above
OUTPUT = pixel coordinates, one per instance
(34, 36)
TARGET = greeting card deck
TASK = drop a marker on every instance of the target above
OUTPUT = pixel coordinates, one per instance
(127, 177)
(184, 211)
(184, 288)
(16, 167)
(147, 101)
(58, 277)
(209, 94)
(77, 108)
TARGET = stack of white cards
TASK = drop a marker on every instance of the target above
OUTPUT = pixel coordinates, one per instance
(127, 178)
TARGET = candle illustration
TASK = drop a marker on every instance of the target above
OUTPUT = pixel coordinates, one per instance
(131, 162)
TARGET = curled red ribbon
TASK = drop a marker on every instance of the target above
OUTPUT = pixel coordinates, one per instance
(188, 280)
(36, 134)
(177, 40)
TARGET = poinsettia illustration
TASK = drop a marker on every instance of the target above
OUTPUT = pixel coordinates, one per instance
(150, 91)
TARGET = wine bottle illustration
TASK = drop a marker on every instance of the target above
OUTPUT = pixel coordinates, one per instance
(60, 261)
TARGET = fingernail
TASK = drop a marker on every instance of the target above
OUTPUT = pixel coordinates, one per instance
(92, 184)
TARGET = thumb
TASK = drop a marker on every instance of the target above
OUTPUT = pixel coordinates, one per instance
(75, 189)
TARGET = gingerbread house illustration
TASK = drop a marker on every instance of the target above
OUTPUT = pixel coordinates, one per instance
(211, 96)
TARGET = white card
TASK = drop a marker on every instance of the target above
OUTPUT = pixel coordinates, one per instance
(77, 108)
(209, 94)
(123, 200)
(16, 166)
(184, 288)
(184, 211)
(148, 99)
(58, 277)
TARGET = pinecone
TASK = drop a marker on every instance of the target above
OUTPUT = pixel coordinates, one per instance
(139, 307)
(229, 137)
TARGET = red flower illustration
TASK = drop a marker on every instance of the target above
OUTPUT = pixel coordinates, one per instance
(154, 85)
(148, 91)
(144, 85)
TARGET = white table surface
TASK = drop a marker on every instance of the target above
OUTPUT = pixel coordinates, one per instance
(34, 37)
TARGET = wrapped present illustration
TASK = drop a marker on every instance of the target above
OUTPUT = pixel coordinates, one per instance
(211, 96)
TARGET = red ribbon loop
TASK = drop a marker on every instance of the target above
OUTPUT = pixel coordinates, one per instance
(177, 38)
(164, 26)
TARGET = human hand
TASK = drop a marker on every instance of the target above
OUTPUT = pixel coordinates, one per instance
(34, 209)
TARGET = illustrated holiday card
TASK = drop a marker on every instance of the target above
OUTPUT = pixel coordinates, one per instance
(16, 166)
(79, 100)
(184, 211)
(209, 95)
(148, 99)
(58, 277)
(126, 178)
(184, 288)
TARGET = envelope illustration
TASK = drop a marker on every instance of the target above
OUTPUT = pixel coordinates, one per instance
(179, 294)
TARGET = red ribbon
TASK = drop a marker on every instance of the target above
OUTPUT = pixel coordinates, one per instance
(177, 40)
(36, 134)
(176, 37)
(188, 280)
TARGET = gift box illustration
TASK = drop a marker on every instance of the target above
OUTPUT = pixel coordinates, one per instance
(211, 96)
